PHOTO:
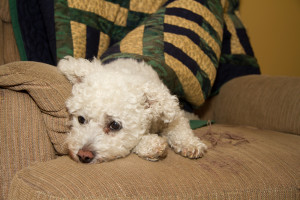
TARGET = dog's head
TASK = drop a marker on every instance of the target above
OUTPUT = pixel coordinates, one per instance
(112, 106)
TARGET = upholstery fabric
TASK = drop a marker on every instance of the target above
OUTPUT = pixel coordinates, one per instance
(267, 102)
(23, 136)
(49, 90)
(241, 163)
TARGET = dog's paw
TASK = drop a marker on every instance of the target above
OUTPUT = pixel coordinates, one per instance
(157, 154)
(192, 149)
(152, 148)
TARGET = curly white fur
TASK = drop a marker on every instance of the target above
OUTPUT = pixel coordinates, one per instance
(123, 107)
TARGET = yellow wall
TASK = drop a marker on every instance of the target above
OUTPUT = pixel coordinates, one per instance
(274, 30)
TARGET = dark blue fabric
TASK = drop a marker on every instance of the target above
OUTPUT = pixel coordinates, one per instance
(181, 56)
(92, 42)
(228, 71)
(36, 22)
(244, 40)
(112, 50)
(226, 47)
(47, 10)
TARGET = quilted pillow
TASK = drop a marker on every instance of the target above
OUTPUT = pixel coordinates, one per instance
(182, 42)
(195, 46)
(85, 29)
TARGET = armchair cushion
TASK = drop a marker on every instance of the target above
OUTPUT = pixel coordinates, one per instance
(241, 163)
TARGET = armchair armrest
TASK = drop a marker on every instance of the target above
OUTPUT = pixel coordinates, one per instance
(48, 88)
(267, 102)
(32, 116)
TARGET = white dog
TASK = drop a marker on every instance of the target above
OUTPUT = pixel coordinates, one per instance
(124, 107)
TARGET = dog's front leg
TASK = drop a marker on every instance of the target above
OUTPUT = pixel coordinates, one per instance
(182, 139)
(152, 147)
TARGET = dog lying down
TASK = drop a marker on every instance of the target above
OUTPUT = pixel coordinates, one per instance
(123, 107)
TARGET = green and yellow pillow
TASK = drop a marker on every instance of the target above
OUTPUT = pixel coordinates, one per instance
(185, 41)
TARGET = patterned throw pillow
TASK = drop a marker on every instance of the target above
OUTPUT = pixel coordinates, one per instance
(87, 28)
(195, 46)
(182, 42)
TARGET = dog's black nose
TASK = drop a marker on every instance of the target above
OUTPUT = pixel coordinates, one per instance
(85, 156)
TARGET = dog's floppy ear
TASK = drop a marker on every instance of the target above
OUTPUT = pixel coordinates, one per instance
(75, 69)
(161, 103)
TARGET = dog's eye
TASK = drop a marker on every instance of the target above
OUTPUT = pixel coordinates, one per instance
(115, 126)
(81, 120)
